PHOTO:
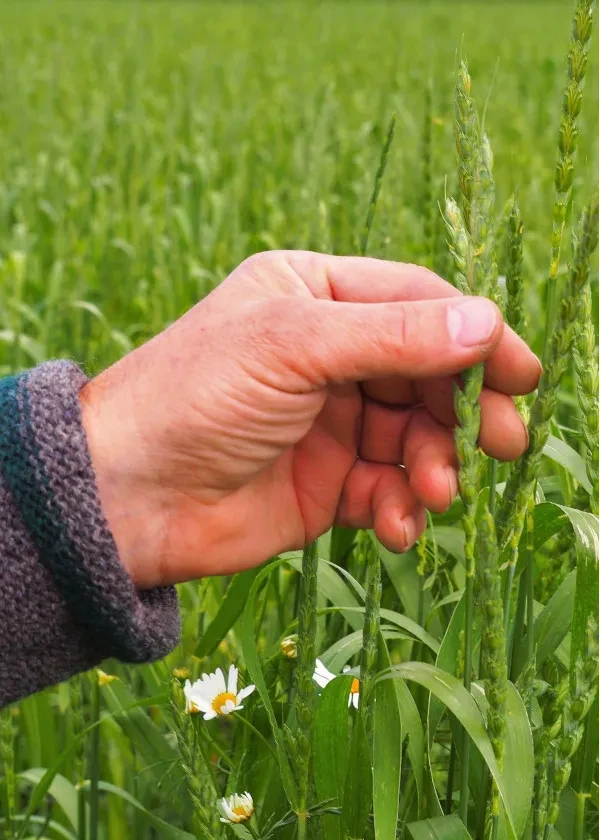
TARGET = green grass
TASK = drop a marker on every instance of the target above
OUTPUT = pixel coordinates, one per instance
(145, 150)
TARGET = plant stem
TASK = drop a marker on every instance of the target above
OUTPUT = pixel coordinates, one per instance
(466, 741)
(95, 761)
(7, 754)
(305, 685)
(579, 816)
(368, 657)
(450, 780)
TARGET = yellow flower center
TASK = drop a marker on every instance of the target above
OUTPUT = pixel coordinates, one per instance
(221, 700)
(355, 686)
(241, 811)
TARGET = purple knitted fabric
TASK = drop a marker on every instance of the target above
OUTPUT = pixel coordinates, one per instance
(66, 601)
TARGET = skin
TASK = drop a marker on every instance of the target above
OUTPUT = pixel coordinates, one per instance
(306, 390)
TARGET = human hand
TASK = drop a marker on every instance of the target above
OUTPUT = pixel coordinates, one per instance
(286, 401)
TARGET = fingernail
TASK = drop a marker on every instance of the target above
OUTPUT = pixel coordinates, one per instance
(409, 526)
(472, 322)
(452, 483)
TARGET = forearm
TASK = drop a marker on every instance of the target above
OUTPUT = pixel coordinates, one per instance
(66, 602)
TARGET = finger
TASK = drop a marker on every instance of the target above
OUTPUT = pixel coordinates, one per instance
(413, 438)
(357, 280)
(378, 496)
(502, 435)
(513, 368)
(367, 280)
(329, 342)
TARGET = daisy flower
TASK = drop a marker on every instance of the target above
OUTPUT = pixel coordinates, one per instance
(323, 677)
(212, 696)
(236, 808)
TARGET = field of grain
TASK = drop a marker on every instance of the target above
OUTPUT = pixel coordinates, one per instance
(146, 148)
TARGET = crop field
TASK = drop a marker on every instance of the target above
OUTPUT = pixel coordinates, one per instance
(146, 149)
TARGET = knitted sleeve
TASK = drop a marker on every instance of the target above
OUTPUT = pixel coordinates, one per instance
(66, 602)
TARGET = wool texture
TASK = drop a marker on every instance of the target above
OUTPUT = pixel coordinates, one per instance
(66, 601)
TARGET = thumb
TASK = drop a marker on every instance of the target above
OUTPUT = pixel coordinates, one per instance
(416, 339)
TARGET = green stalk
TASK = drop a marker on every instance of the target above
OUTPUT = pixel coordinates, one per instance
(385, 151)
(581, 31)
(368, 656)
(493, 644)
(472, 245)
(95, 761)
(305, 685)
(579, 816)
(7, 756)
(427, 202)
(77, 706)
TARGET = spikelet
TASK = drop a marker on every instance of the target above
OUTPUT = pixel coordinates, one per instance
(515, 311)
(524, 472)
(581, 32)
(493, 642)
(572, 719)
(194, 764)
(586, 368)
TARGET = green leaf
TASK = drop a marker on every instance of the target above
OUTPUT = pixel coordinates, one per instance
(169, 832)
(585, 526)
(229, 612)
(387, 752)
(586, 757)
(331, 585)
(518, 762)
(552, 624)
(452, 540)
(145, 734)
(413, 729)
(458, 700)
(560, 451)
(336, 656)
(58, 829)
(450, 827)
(255, 670)
(358, 788)
(61, 790)
(402, 571)
(331, 750)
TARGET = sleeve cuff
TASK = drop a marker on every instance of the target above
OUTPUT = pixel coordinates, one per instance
(46, 464)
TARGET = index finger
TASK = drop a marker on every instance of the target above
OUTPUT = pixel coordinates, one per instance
(511, 369)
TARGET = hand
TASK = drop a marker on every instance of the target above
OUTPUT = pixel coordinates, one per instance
(286, 401)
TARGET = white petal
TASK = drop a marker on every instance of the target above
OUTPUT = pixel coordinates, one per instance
(233, 679)
(245, 692)
(345, 669)
(210, 715)
(321, 675)
(201, 703)
(220, 681)
(355, 697)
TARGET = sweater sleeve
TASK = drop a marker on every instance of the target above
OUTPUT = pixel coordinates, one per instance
(66, 602)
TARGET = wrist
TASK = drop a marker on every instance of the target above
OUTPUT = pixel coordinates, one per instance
(117, 455)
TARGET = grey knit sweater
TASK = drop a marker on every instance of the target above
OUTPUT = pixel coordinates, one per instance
(66, 602)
